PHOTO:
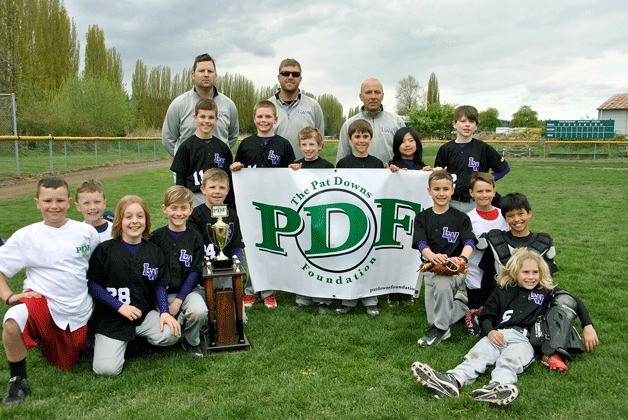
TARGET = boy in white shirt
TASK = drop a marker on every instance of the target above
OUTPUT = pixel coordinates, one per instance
(484, 217)
(55, 304)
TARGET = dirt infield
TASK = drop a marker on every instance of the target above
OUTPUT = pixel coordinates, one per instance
(21, 186)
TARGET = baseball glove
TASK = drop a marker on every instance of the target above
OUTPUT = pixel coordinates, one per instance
(452, 267)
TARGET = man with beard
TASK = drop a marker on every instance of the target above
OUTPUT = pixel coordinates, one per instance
(295, 110)
(179, 124)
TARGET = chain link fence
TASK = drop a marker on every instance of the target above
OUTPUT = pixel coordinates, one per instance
(30, 155)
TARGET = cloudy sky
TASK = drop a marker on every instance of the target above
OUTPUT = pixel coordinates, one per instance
(564, 59)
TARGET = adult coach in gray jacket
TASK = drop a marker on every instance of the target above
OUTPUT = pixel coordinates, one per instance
(384, 123)
(179, 124)
(294, 109)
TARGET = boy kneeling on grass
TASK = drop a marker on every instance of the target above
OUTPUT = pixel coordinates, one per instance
(53, 308)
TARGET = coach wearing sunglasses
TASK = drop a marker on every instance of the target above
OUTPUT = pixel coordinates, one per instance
(294, 109)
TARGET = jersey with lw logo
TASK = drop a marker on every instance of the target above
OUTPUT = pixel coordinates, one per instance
(149, 272)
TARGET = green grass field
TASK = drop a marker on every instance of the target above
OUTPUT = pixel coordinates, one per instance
(308, 366)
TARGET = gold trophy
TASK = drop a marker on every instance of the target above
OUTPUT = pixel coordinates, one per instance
(219, 235)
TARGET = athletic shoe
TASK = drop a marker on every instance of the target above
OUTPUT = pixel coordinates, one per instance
(393, 299)
(195, 351)
(443, 384)
(249, 300)
(407, 300)
(372, 311)
(496, 394)
(434, 336)
(323, 308)
(270, 302)
(344, 310)
(17, 390)
(298, 307)
(555, 362)
(472, 321)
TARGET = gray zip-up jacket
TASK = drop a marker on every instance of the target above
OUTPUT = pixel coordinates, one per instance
(302, 112)
(384, 124)
(179, 124)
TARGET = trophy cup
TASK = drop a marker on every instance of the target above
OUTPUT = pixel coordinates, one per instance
(219, 235)
(225, 307)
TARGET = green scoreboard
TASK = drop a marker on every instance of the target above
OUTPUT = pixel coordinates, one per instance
(580, 129)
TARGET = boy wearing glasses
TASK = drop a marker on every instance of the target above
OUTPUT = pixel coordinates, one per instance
(294, 109)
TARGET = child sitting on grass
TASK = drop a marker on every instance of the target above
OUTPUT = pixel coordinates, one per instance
(525, 289)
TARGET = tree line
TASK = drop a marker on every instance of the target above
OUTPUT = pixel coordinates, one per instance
(39, 62)
(424, 111)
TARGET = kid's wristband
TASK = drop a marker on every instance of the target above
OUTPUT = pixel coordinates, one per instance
(466, 260)
(8, 298)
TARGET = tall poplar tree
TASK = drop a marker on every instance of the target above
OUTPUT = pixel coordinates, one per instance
(332, 112)
(242, 91)
(95, 53)
(433, 95)
(38, 48)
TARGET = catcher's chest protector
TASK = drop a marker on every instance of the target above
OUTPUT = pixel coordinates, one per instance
(540, 242)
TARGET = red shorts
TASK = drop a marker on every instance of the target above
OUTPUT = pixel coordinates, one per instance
(60, 347)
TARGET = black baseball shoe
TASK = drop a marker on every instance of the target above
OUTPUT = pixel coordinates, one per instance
(443, 384)
(372, 311)
(17, 390)
(496, 394)
(344, 310)
(322, 309)
(195, 351)
(298, 307)
(434, 336)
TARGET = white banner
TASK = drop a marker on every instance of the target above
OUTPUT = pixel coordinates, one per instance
(337, 233)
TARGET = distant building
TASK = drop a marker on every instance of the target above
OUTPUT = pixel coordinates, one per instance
(616, 108)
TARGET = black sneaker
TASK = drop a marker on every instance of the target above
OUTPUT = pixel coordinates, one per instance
(393, 299)
(17, 390)
(298, 307)
(443, 384)
(195, 351)
(372, 311)
(344, 310)
(323, 308)
(496, 394)
(434, 336)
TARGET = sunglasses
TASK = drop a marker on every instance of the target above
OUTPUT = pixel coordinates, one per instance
(290, 73)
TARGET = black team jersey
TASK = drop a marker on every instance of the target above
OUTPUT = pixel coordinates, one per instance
(520, 307)
(359, 162)
(408, 164)
(444, 233)
(184, 254)
(197, 155)
(475, 156)
(130, 278)
(201, 216)
(276, 153)
(318, 163)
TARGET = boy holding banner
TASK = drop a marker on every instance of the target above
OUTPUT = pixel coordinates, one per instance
(310, 143)
(360, 134)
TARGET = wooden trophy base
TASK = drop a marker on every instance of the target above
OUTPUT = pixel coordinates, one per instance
(225, 310)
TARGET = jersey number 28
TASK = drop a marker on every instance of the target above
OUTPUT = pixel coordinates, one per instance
(122, 294)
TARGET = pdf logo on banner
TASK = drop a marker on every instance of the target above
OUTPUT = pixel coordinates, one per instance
(341, 233)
